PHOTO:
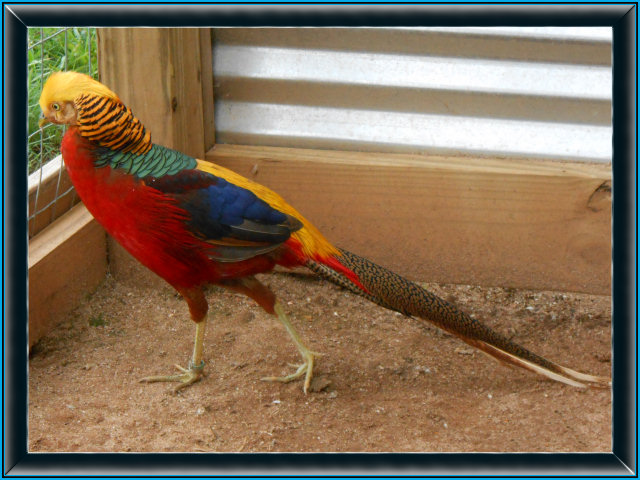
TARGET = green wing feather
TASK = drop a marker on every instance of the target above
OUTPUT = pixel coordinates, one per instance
(157, 162)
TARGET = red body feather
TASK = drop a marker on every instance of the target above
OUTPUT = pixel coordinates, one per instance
(149, 224)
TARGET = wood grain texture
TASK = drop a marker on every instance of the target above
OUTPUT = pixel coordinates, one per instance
(481, 221)
(206, 65)
(67, 261)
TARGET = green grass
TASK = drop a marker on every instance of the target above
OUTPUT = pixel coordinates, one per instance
(62, 49)
(98, 321)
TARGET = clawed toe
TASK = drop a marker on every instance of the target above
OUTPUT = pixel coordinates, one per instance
(304, 369)
(189, 376)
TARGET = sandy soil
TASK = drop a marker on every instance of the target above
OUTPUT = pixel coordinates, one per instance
(385, 382)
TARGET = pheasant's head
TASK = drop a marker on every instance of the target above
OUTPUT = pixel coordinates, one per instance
(72, 98)
(61, 92)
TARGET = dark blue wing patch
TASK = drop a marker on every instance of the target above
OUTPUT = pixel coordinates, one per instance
(233, 219)
(232, 205)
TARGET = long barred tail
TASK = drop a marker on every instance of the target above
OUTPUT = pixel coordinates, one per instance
(394, 292)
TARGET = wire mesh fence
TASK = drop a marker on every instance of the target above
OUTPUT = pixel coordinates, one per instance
(52, 49)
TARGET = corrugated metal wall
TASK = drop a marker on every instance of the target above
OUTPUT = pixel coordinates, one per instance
(522, 92)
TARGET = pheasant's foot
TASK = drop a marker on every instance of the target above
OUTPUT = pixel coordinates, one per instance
(188, 376)
(305, 369)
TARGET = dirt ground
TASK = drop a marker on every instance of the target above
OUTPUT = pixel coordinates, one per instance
(385, 383)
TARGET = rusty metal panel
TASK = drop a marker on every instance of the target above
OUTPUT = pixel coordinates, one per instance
(510, 92)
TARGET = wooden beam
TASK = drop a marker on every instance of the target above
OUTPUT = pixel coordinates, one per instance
(67, 261)
(525, 224)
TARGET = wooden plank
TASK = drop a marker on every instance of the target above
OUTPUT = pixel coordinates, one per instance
(186, 91)
(481, 221)
(67, 261)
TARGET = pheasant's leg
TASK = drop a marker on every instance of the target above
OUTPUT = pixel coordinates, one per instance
(198, 309)
(251, 287)
(194, 372)
(307, 355)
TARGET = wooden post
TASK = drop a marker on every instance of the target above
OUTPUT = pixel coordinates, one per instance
(165, 76)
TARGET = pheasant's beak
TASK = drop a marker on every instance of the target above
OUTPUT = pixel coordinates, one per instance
(43, 120)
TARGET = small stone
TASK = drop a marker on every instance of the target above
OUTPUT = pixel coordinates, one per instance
(422, 369)
(319, 384)
(464, 351)
(247, 316)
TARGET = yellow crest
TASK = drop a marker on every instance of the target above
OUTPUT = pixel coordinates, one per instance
(67, 86)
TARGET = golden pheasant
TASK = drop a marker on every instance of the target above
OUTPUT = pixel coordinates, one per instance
(195, 223)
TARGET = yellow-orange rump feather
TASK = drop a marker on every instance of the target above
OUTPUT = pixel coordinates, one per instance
(312, 242)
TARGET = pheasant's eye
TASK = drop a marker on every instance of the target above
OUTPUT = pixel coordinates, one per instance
(55, 106)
